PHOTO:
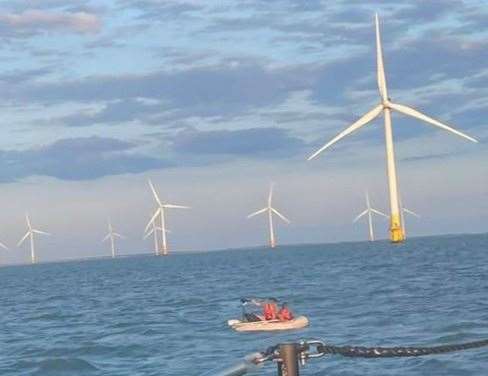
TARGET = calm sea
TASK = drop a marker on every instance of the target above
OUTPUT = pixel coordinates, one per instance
(166, 316)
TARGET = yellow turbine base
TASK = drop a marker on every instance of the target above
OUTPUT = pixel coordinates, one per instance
(396, 232)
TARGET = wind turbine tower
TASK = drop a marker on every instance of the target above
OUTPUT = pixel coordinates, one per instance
(30, 234)
(161, 214)
(154, 231)
(397, 233)
(270, 211)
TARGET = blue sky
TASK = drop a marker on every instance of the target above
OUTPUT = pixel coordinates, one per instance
(215, 99)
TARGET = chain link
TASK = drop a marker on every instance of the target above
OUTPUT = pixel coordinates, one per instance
(315, 344)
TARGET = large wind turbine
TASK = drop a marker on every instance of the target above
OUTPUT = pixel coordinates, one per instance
(369, 211)
(160, 212)
(30, 234)
(385, 107)
(270, 210)
(111, 235)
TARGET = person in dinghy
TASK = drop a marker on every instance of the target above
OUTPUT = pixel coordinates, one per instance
(262, 314)
(269, 309)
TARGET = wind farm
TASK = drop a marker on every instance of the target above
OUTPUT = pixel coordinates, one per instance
(157, 227)
(262, 188)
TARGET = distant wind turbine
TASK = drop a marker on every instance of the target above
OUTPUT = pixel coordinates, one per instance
(270, 210)
(30, 234)
(160, 213)
(407, 211)
(112, 235)
(386, 106)
(369, 211)
(154, 231)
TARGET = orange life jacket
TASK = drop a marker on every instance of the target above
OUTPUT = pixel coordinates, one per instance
(269, 311)
(285, 314)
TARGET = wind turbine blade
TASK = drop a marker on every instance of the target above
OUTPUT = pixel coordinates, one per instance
(148, 233)
(411, 212)
(359, 216)
(379, 213)
(155, 194)
(106, 237)
(153, 218)
(23, 239)
(41, 232)
(3, 246)
(270, 195)
(280, 215)
(257, 212)
(380, 67)
(418, 115)
(118, 235)
(28, 220)
(356, 125)
(171, 206)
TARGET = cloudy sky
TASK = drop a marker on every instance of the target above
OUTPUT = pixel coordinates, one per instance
(213, 100)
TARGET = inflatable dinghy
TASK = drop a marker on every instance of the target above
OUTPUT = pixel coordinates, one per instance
(270, 325)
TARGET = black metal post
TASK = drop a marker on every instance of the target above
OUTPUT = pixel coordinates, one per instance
(288, 363)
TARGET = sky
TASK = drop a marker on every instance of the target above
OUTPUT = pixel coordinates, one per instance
(214, 100)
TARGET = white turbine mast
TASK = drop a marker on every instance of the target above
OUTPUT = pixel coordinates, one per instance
(30, 234)
(112, 235)
(386, 106)
(369, 211)
(161, 215)
(270, 211)
(154, 231)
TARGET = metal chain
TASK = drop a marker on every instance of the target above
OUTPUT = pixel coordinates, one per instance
(390, 352)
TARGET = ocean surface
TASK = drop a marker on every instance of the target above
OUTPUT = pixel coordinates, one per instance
(151, 315)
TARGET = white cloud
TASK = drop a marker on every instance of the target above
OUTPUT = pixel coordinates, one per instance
(80, 22)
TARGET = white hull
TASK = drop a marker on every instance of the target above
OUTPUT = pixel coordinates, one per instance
(270, 325)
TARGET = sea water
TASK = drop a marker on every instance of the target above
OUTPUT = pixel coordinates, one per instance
(151, 315)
